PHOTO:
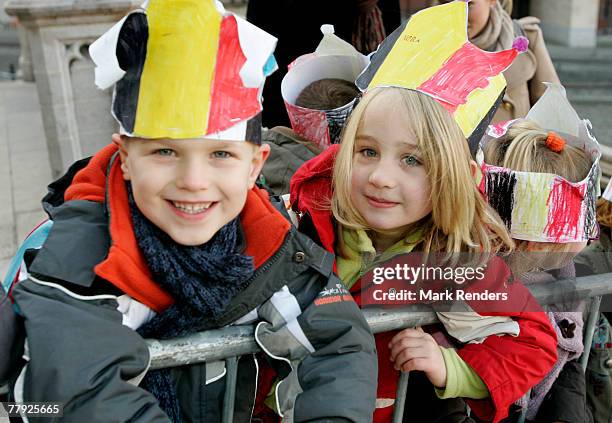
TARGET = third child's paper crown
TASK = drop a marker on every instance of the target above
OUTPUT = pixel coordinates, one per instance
(333, 58)
(185, 69)
(607, 195)
(543, 207)
(430, 53)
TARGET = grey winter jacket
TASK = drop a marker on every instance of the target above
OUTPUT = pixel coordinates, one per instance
(82, 350)
(288, 151)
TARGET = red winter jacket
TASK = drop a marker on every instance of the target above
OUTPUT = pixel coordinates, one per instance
(509, 366)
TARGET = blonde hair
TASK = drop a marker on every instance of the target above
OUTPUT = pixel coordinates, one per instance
(524, 149)
(460, 220)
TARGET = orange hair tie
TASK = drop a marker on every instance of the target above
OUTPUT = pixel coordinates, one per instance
(554, 142)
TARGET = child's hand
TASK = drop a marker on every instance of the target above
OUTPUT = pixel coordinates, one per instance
(413, 349)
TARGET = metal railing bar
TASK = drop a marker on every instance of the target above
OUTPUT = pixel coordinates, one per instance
(231, 364)
(590, 330)
(200, 347)
(400, 397)
(523, 415)
(233, 341)
(238, 340)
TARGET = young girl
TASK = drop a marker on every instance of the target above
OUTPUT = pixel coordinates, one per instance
(402, 180)
(407, 185)
(526, 167)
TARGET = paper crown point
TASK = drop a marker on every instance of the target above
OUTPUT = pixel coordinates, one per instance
(327, 29)
(521, 44)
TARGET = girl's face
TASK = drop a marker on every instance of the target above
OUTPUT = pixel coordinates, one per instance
(389, 183)
(478, 16)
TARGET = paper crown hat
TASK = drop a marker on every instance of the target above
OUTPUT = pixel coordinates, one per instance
(185, 69)
(544, 207)
(430, 53)
(607, 194)
(333, 58)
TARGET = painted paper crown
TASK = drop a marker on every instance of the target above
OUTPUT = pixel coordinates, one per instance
(544, 207)
(185, 69)
(333, 58)
(430, 53)
(607, 194)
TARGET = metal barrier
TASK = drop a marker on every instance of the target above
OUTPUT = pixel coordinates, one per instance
(229, 343)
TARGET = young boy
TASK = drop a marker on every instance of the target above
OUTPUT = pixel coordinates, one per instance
(163, 233)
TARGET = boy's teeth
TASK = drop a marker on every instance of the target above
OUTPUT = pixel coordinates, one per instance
(191, 207)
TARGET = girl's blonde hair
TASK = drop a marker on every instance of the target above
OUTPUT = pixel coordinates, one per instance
(460, 220)
(523, 148)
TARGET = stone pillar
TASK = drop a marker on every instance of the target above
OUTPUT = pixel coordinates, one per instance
(76, 115)
(4, 18)
(26, 69)
(568, 22)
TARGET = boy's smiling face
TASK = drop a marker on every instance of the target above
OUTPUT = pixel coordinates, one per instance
(190, 188)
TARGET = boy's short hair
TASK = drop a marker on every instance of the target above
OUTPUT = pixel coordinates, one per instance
(327, 94)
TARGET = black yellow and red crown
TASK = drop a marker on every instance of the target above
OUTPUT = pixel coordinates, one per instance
(430, 53)
(185, 69)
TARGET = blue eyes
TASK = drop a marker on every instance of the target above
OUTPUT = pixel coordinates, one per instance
(411, 161)
(368, 152)
(408, 160)
(164, 152)
(168, 152)
(221, 155)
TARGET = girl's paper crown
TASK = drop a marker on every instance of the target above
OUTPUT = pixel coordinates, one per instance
(185, 69)
(333, 58)
(544, 207)
(430, 53)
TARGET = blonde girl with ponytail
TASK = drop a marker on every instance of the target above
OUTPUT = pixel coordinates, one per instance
(526, 154)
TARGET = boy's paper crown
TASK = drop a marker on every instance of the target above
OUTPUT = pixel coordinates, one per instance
(544, 207)
(333, 58)
(185, 69)
(430, 53)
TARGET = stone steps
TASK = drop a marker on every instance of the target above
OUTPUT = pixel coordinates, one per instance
(583, 68)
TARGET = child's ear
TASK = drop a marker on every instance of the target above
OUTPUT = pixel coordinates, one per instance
(123, 154)
(260, 156)
(476, 172)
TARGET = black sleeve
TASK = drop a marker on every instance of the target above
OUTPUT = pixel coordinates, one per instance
(81, 355)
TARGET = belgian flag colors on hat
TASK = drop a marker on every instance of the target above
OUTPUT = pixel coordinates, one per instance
(185, 69)
(430, 53)
(544, 207)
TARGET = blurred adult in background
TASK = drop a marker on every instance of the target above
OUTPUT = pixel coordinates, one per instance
(491, 28)
(363, 23)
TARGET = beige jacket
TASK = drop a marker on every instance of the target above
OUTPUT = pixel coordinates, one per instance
(526, 75)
